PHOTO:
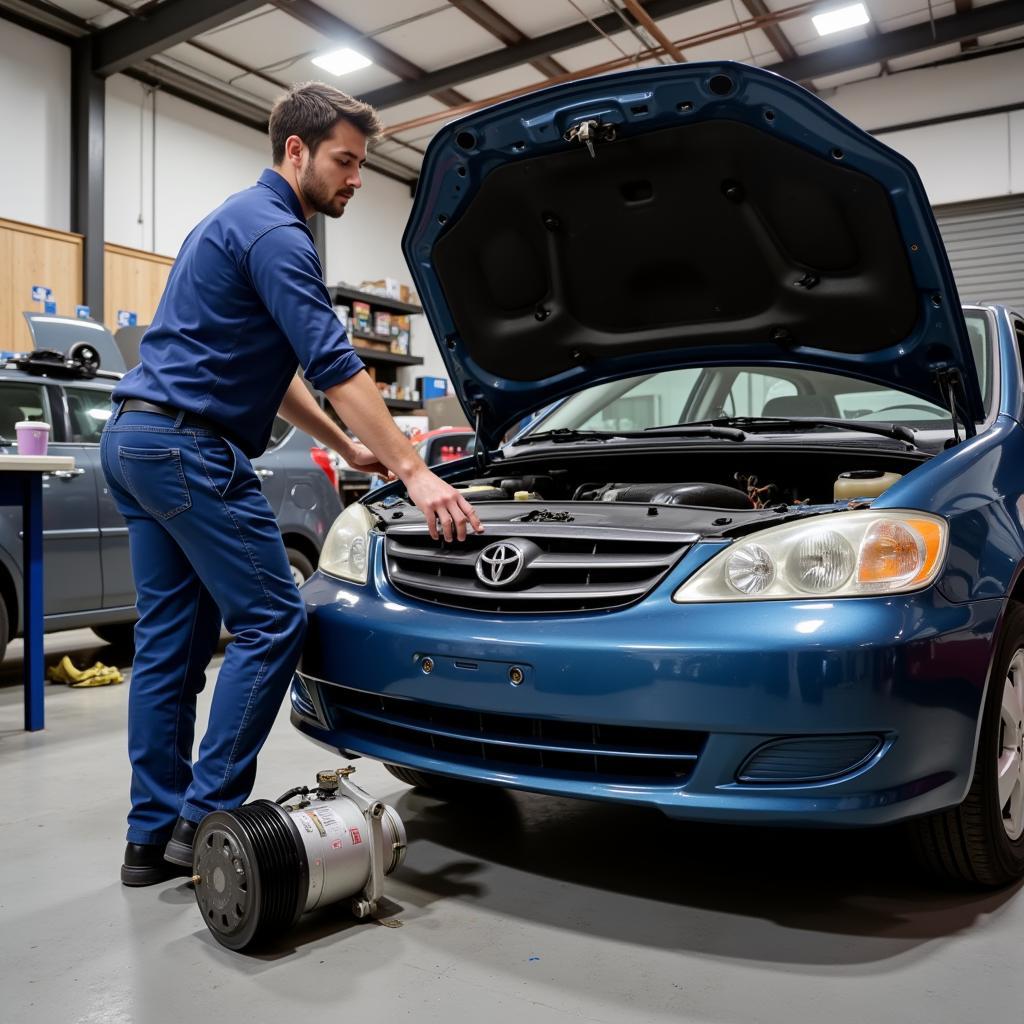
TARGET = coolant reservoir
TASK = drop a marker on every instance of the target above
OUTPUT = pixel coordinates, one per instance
(863, 483)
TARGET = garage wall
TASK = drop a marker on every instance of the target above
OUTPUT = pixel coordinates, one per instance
(200, 159)
(975, 158)
(35, 86)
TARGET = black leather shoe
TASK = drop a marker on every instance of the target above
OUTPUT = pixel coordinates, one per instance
(179, 847)
(144, 864)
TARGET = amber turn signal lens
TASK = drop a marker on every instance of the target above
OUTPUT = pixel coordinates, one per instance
(899, 551)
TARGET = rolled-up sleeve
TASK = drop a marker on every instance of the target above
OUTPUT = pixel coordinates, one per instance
(284, 269)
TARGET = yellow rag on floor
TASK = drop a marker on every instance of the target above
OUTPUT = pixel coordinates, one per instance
(95, 675)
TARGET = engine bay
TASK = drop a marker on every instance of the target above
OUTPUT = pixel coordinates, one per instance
(711, 491)
(701, 480)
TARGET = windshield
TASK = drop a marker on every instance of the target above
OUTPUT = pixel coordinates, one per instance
(696, 394)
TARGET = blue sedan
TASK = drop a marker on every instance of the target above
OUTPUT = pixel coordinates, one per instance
(759, 558)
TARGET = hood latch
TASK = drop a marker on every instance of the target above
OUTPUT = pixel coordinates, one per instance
(589, 132)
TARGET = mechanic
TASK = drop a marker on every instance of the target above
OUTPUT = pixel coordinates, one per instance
(244, 306)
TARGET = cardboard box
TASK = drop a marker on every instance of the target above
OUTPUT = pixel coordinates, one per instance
(388, 287)
(382, 324)
(432, 387)
(361, 316)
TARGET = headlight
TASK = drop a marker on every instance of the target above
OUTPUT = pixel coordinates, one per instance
(849, 554)
(344, 551)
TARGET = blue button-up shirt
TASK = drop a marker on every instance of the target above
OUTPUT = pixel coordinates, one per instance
(244, 306)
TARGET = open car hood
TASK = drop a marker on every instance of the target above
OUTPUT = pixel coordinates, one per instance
(726, 215)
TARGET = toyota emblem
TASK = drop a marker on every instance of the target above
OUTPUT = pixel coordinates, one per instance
(500, 563)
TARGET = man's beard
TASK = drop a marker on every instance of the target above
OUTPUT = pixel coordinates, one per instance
(318, 194)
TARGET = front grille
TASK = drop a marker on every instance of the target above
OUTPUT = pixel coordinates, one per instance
(567, 569)
(610, 754)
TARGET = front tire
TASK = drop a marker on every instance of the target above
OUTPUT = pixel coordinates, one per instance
(301, 566)
(981, 842)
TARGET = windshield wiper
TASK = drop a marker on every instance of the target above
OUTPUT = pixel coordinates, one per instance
(564, 435)
(895, 430)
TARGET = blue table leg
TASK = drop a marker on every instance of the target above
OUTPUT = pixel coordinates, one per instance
(32, 560)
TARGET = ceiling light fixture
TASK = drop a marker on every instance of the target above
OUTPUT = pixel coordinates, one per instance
(341, 62)
(840, 18)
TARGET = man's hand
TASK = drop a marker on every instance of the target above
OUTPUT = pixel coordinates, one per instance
(358, 456)
(441, 504)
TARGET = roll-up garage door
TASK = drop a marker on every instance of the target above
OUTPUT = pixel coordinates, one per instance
(985, 243)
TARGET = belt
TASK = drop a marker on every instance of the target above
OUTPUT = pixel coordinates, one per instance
(141, 405)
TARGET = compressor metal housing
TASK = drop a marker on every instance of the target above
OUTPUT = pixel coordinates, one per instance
(257, 869)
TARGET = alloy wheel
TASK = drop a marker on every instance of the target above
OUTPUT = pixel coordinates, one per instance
(1010, 751)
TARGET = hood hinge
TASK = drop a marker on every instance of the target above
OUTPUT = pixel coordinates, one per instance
(951, 385)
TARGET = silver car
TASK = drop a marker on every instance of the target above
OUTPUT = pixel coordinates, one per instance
(86, 569)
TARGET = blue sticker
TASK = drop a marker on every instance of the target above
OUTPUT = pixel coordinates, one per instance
(49, 307)
(126, 318)
(83, 312)
(40, 293)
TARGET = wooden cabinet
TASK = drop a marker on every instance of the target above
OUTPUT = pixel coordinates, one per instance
(29, 256)
(133, 280)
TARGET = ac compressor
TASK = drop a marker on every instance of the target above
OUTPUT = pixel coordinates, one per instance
(258, 868)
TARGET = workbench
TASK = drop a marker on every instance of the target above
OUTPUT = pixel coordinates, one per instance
(21, 483)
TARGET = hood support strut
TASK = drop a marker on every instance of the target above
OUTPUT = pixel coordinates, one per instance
(952, 386)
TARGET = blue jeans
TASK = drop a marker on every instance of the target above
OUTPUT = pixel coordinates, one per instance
(204, 546)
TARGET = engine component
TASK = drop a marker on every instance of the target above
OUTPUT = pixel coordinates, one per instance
(258, 868)
(483, 492)
(759, 496)
(692, 494)
(863, 483)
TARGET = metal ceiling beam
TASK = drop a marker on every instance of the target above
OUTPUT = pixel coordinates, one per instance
(331, 26)
(520, 53)
(779, 40)
(501, 28)
(653, 31)
(45, 18)
(904, 41)
(176, 21)
(962, 7)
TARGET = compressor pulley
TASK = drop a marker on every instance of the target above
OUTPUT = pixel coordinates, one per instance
(258, 868)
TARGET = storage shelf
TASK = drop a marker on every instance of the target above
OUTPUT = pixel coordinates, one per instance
(402, 404)
(341, 291)
(372, 355)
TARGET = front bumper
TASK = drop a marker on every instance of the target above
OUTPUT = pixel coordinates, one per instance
(910, 670)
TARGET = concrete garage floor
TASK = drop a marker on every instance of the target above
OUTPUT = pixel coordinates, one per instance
(513, 908)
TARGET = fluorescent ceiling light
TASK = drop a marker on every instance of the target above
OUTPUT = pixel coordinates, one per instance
(341, 62)
(840, 18)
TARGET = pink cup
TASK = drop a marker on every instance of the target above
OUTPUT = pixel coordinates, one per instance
(33, 436)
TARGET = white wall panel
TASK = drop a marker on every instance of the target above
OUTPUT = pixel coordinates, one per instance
(932, 92)
(35, 90)
(960, 160)
(1016, 121)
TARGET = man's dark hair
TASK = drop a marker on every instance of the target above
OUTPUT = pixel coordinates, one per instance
(312, 110)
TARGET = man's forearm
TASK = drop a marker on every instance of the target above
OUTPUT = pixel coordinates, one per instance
(300, 409)
(358, 403)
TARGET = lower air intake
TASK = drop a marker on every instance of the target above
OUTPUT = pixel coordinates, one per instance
(809, 759)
